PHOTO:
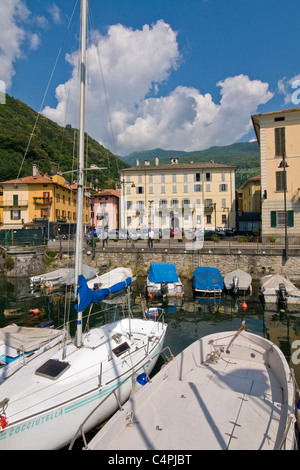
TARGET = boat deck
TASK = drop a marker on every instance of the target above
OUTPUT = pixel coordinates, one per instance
(215, 406)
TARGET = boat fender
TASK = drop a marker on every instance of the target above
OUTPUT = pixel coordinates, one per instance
(3, 422)
(150, 295)
(244, 306)
(180, 295)
(35, 311)
(142, 379)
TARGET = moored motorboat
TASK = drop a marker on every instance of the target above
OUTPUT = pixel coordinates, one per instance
(207, 281)
(276, 289)
(238, 281)
(61, 277)
(228, 390)
(163, 280)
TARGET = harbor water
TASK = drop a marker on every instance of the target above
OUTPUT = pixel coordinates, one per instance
(188, 318)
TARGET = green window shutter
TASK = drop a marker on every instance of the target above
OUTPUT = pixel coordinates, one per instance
(273, 219)
(279, 141)
(290, 218)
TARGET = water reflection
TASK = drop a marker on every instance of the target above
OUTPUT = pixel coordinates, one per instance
(188, 318)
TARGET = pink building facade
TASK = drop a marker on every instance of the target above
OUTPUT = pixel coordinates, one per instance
(106, 209)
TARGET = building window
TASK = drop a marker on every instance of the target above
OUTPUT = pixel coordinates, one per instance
(139, 205)
(163, 190)
(197, 188)
(15, 199)
(185, 177)
(163, 204)
(15, 215)
(208, 219)
(140, 190)
(208, 202)
(223, 202)
(198, 177)
(174, 189)
(208, 177)
(174, 203)
(223, 218)
(279, 141)
(278, 218)
(185, 188)
(223, 176)
(208, 188)
(128, 221)
(151, 179)
(174, 177)
(185, 203)
(140, 179)
(150, 189)
(280, 183)
(223, 187)
(129, 205)
(162, 178)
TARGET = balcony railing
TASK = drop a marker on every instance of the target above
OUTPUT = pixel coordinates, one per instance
(44, 201)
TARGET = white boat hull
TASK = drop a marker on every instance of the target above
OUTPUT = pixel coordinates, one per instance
(47, 414)
(222, 392)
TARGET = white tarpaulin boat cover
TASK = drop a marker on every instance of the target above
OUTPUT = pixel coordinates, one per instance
(270, 285)
(25, 338)
(64, 276)
(243, 277)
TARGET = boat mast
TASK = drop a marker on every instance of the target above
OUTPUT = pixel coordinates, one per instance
(79, 228)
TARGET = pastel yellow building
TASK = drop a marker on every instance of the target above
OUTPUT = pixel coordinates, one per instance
(251, 200)
(177, 196)
(40, 199)
(278, 135)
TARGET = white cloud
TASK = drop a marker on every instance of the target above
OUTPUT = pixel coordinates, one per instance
(55, 13)
(135, 63)
(12, 36)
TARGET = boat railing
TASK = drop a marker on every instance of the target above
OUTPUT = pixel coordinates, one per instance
(80, 430)
(292, 414)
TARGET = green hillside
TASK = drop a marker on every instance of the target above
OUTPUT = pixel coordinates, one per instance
(243, 155)
(51, 146)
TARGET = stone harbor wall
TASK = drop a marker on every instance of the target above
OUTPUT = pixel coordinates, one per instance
(26, 264)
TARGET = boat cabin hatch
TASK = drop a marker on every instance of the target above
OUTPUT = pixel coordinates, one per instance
(52, 369)
(119, 350)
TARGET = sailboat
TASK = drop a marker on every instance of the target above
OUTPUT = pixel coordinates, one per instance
(43, 403)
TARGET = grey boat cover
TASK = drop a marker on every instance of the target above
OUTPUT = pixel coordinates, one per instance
(270, 285)
(64, 276)
(25, 338)
(245, 279)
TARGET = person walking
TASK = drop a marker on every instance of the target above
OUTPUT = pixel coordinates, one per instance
(150, 238)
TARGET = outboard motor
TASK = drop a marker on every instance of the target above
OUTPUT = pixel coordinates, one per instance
(164, 288)
(235, 286)
(282, 293)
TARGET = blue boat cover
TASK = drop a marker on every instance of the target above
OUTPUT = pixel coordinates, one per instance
(162, 272)
(205, 277)
(88, 296)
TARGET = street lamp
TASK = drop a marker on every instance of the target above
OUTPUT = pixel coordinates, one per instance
(283, 164)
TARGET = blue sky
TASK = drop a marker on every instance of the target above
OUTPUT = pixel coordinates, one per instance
(181, 75)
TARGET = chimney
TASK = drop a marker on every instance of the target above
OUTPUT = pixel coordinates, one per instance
(147, 162)
(174, 160)
(156, 161)
(191, 162)
(137, 162)
(35, 171)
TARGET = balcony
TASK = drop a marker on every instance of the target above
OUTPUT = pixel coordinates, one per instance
(42, 201)
(209, 208)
